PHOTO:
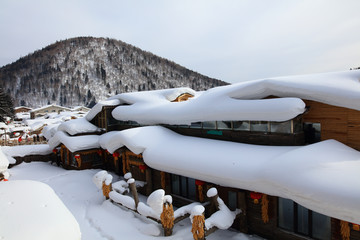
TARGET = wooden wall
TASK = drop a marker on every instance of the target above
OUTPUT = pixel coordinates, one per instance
(341, 124)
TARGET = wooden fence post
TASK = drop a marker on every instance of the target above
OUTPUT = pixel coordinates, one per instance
(167, 218)
(198, 222)
(133, 189)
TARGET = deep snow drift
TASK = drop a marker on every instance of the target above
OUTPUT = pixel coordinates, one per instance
(99, 219)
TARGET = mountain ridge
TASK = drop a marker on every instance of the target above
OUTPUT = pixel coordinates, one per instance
(84, 70)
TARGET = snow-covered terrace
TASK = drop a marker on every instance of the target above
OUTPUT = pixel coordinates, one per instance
(321, 177)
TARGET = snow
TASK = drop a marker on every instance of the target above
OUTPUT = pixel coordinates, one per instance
(99, 219)
(32, 210)
(98, 107)
(122, 199)
(26, 150)
(212, 192)
(182, 211)
(320, 176)
(223, 218)
(74, 144)
(77, 126)
(197, 210)
(156, 200)
(244, 101)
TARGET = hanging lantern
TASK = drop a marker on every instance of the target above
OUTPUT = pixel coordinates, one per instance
(142, 167)
(78, 160)
(199, 183)
(356, 227)
(55, 151)
(99, 152)
(116, 155)
(256, 196)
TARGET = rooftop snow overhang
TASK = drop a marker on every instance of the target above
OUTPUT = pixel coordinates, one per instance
(320, 176)
(74, 144)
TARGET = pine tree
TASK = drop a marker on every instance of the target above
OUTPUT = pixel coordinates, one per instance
(6, 106)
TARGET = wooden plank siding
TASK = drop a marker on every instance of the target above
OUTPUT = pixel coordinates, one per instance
(341, 124)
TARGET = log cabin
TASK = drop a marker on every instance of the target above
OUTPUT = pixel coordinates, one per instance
(328, 112)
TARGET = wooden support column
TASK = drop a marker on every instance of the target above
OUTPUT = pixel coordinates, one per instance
(149, 183)
(243, 226)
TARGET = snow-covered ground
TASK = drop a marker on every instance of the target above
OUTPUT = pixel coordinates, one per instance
(98, 218)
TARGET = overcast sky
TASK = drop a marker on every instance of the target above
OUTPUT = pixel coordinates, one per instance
(229, 40)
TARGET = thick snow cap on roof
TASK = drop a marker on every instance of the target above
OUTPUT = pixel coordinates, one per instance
(74, 144)
(320, 177)
(32, 210)
(244, 101)
(77, 126)
(164, 95)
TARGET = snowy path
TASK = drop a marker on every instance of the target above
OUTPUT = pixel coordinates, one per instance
(99, 219)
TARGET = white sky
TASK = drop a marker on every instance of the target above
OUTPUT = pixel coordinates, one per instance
(232, 40)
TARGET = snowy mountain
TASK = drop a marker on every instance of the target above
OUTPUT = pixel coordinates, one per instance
(85, 70)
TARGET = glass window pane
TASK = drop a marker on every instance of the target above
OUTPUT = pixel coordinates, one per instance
(241, 125)
(175, 184)
(298, 126)
(224, 124)
(195, 125)
(286, 214)
(281, 127)
(191, 188)
(232, 200)
(303, 220)
(209, 125)
(321, 226)
(259, 126)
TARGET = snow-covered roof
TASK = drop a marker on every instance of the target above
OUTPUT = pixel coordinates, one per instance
(26, 150)
(155, 96)
(244, 101)
(77, 126)
(50, 106)
(32, 210)
(74, 144)
(320, 176)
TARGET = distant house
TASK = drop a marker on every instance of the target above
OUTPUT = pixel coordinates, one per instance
(39, 112)
(80, 109)
(22, 109)
(283, 150)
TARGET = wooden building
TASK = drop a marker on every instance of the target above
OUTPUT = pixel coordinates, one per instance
(271, 217)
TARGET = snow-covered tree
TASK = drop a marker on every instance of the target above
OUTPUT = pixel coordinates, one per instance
(6, 106)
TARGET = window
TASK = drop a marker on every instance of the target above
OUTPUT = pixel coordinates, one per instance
(209, 125)
(232, 200)
(224, 125)
(259, 126)
(195, 125)
(241, 125)
(312, 132)
(281, 127)
(296, 218)
(183, 186)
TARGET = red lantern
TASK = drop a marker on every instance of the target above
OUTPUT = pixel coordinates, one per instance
(55, 150)
(256, 196)
(116, 154)
(142, 167)
(99, 152)
(77, 156)
(356, 227)
(199, 183)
